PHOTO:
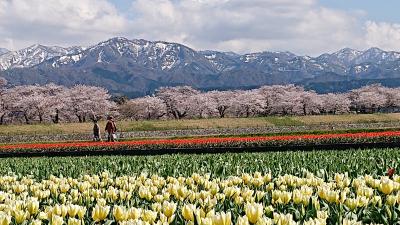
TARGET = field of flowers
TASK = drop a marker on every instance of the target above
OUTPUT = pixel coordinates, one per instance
(209, 142)
(248, 188)
(322, 163)
(258, 198)
(318, 187)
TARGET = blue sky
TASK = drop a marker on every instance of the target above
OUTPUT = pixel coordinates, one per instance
(308, 27)
(383, 10)
(123, 6)
(386, 10)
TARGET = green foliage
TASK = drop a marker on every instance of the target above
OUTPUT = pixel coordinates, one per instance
(323, 163)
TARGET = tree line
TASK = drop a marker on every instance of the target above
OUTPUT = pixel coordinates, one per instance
(53, 103)
(280, 100)
(81, 103)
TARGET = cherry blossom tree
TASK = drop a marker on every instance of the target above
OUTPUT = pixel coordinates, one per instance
(335, 103)
(370, 98)
(24, 101)
(393, 100)
(3, 82)
(52, 102)
(176, 100)
(35, 102)
(311, 103)
(4, 100)
(221, 100)
(146, 108)
(281, 100)
(88, 102)
(201, 106)
(248, 103)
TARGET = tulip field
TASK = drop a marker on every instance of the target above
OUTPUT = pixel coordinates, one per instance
(207, 143)
(317, 187)
(350, 186)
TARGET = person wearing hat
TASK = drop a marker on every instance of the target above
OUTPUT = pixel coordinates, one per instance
(111, 128)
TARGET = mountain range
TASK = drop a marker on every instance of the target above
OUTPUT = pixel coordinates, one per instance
(138, 67)
(3, 51)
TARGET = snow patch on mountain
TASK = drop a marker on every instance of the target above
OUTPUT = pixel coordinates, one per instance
(33, 56)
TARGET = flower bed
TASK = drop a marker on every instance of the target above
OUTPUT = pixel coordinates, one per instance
(260, 141)
(258, 198)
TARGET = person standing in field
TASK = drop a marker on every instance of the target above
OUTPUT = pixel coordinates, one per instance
(111, 128)
(96, 131)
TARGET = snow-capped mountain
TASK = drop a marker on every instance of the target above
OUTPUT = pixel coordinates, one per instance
(340, 59)
(222, 61)
(33, 56)
(376, 55)
(348, 57)
(158, 55)
(136, 67)
(3, 51)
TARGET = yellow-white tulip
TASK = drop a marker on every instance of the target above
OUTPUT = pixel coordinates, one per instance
(100, 213)
(254, 212)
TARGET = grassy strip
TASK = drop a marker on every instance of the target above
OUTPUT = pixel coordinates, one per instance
(159, 125)
(344, 131)
(323, 163)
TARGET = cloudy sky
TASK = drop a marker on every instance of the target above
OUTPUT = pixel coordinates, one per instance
(307, 27)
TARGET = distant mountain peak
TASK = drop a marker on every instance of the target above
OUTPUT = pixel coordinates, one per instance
(33, 55)
(375, 50)
(3, 51)
(347, 49)
(347, 54)
(113, 41)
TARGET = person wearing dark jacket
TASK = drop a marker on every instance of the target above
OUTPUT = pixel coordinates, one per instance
(111, 128)
(96, 131)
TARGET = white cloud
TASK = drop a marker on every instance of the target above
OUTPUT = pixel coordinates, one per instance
(301, 26)
(58, 21)
(383, 35)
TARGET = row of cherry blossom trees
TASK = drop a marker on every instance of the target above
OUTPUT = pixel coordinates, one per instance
(53, 103)
(186, 102)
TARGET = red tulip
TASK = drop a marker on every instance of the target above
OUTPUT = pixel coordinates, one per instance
(210, 140)
(390, 172)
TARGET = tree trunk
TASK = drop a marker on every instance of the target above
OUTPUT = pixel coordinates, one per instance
(181, 115)
(247, 112)
(26, 119)
(175, 114)
(304, 109)
(159, 116)
(2, 119)
(56, 118)
(221, 111)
